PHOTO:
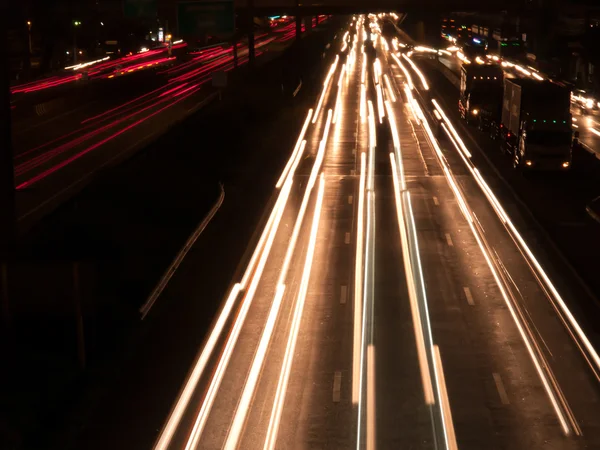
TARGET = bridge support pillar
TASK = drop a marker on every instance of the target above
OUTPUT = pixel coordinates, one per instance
(7, 176)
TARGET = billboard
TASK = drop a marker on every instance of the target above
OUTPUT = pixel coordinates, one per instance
(199, 18)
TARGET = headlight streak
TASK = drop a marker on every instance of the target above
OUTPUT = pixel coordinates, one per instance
(449, 423)
(296, 150)
(389, 88)
(552, 395)
(219, 373)
(363, 69)
(380, 106)
(568, 318)
(324, 91)
(263, 247)
(272, 431)
(363, 103)
(339, 94)
(406, 73)
(358, 281)
(236, 429)
(418, 72)
(425, 369)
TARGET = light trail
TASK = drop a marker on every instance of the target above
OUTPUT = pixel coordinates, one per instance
(296, 150)
(425, 370)
(261, 251)
(380, 106)
(363, 103)
(406, 73)
(339, 93)
(389, 88)
(219, 373)
(358, 281)
(418, 72)
(276, 412)
(325, 86)
(363, 71)
(236, 429)
(554, 395)
(570, 321)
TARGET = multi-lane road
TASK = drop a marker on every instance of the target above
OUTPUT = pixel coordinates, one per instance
(126, 103)
(393, 297)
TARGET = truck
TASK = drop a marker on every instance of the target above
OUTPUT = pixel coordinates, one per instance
(480, 91)
(536, 125)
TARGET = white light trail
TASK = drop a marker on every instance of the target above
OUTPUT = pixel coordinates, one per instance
(389, 88)
(296, 150)
(325, 85)
(555, 396)
(219, 373)
(358, 281)
(243, 407)
(363, 70)
(363, 103)
(406, 73)
(418, 71)
(380, 106)
(412, 291)
(273, 429)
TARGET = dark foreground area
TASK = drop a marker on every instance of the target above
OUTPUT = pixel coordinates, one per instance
(90, 266)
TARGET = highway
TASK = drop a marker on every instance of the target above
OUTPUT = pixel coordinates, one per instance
(127, 103)
(393, 296)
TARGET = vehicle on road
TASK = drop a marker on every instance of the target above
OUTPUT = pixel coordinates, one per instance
(536, 125)
(480, 92)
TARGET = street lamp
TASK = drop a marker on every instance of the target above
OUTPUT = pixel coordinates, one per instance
(29, 36)
(76, 23)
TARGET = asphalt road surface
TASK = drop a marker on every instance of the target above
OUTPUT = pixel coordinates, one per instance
(390, 298)
(394, 295)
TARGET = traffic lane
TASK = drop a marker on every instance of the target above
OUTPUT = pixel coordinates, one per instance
(556, 201)
(573, 374)
(403, 420)
(496, 396)
(588, 126)
(137, 403)
(52, 125)
(230, 389)
(75, 168)
(310, 416)
(456, 275)
(563, 355)
(319, 412)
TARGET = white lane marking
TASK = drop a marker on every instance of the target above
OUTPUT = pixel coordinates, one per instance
(344, 294)
(501, 390)
(469, 296)
(349, 199)
(337, 384)
(436, 202)
(449, 240)
(347, 238)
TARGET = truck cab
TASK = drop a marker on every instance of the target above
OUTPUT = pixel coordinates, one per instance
(480, 92)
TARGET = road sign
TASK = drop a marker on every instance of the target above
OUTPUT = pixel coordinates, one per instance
(215, 18)
(140, 8)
